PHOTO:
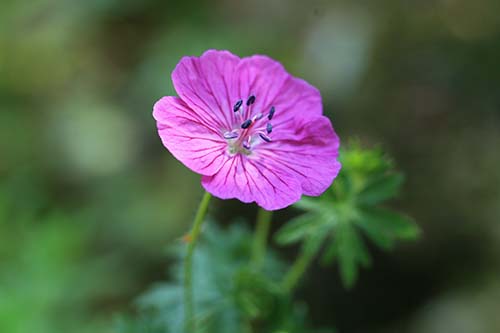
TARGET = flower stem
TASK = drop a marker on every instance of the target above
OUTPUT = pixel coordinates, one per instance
(295, 273)
(189, 323)
(260, 237)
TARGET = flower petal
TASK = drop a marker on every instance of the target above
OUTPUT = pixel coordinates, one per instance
(301, 157)
(296, 98)
(212, 83)
(306, 149)
(263, 77)
(204, 84)
(253, 180)
(185, 134)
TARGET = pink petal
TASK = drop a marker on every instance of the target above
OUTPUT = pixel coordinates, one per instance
(253, 180)
(297, 98)
(204, 83)
(186, 135)
(306, 149)
(302, 154)
(213, 83)
(263, 77)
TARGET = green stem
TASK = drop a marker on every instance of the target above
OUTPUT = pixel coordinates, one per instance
(189, 323)
(260, 237)
(295, 273)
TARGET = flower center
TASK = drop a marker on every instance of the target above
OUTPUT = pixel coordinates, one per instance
(249, 130)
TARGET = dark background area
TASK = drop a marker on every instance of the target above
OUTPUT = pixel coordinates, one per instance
(89, 198)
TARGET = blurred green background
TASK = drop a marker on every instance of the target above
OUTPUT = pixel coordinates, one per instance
(89, 198)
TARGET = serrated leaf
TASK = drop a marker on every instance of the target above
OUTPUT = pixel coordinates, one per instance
(314, 242)
(340, 189)
(366, 180)
(379, 237)
(310, 204)
(255, 293)
(296, 229)
(227, 294)
(163, 295)
(349, 249)
(380, 189)
(384, 226)
(330, 254)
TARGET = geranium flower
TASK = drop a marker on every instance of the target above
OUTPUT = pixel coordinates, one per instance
(253, 131)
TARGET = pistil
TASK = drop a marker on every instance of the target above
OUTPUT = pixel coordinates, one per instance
(241, 138)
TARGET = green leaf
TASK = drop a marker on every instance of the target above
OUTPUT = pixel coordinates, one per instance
(228, 295)
(363, 162)
(350, 251)
(380, 189)
(314, 242)
(255, 293)
(297, 228)
(310, 204)
(366, 180)
(384, 226)
(330, 254)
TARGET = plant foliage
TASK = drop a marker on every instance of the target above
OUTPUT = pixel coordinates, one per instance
(350, 210)
(229, 295)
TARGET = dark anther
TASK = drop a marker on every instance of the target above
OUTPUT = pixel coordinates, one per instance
(246, 123)
(237, 106)
(246, 145)
(269, 128)
(250, 100)
(265, 137)
(271, 113)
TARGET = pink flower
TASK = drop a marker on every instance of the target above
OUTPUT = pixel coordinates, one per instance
(253, 131)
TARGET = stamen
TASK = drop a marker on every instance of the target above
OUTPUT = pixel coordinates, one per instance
(269, 128)
(243, 139)
(251, 100)
(231, 135)
(246, 123)
(264, 137)
(237, 106)
(258, 116)
(271, 113)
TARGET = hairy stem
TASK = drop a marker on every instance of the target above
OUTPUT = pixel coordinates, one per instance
(260, 237)
(192, 237)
